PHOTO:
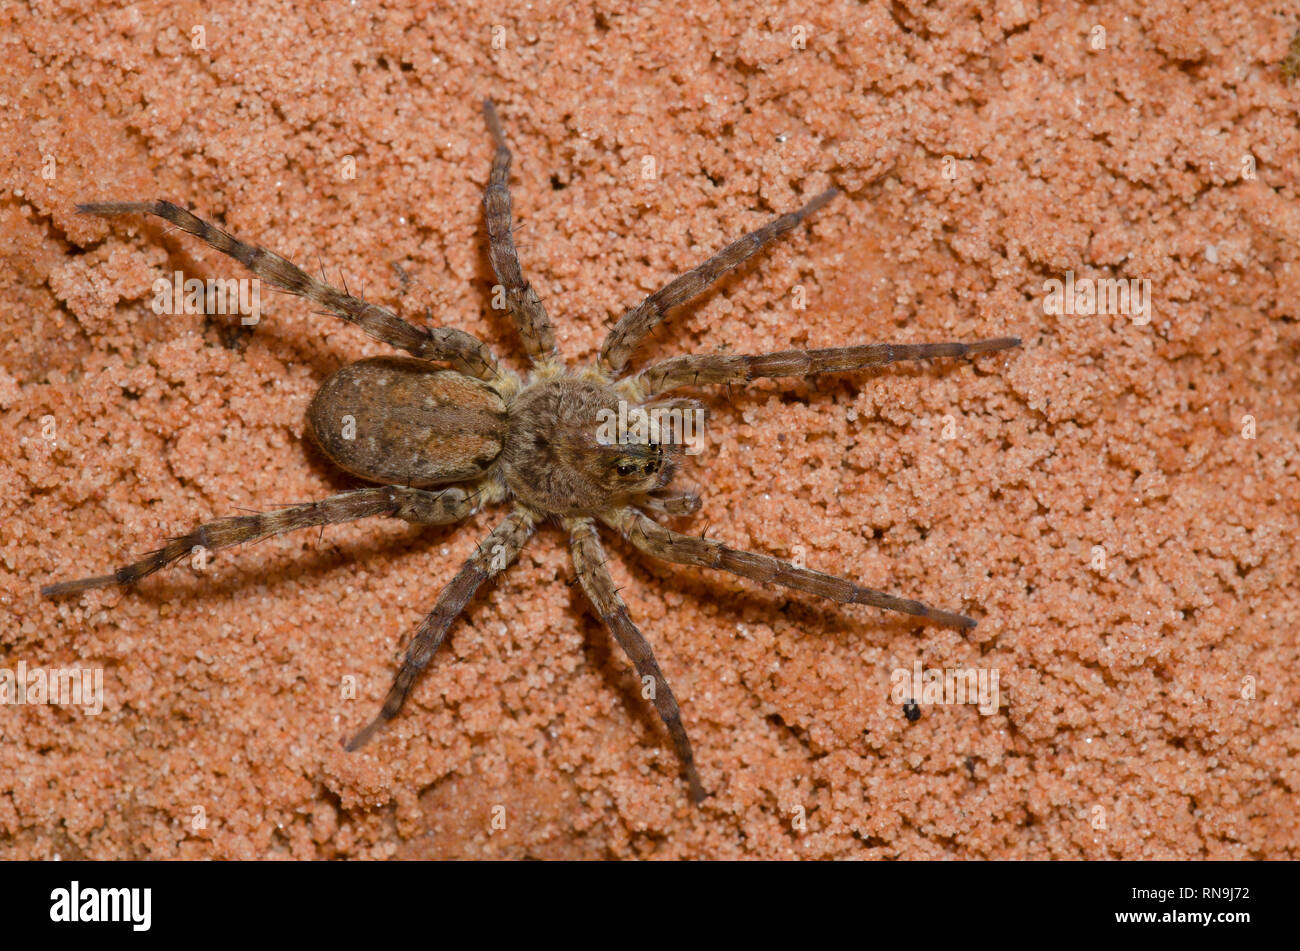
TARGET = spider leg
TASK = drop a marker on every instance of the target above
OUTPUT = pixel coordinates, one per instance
(464, 351)
(493, 556)
(693, 369)
(526, 308)
(663, 543)
(632, 327)
(589, 563)
(671, 501)
(413, 505)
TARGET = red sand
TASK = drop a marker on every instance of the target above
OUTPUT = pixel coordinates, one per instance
(1147, 709)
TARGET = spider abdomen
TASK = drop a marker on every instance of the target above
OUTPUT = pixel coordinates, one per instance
(396, 420)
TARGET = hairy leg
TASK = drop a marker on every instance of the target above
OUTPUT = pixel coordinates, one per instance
(635, 323)
(413, 505)
(464, 351)
(660, 542)
(589, 563)
(526, 308)
(671, 501)
(493, 556)
(693, 369)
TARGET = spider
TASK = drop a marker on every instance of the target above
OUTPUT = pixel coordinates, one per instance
(441, 442)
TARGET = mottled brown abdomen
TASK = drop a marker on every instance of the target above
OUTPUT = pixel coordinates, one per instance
(401, 421)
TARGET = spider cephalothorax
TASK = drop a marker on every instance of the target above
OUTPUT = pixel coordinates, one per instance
(443, 442)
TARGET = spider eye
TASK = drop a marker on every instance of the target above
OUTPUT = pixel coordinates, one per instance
(626, 468)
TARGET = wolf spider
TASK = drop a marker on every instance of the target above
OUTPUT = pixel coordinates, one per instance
(441, 442)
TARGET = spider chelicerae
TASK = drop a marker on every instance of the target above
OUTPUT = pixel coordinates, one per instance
(443, 442)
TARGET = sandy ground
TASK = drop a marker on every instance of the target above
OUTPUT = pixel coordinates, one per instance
(1116, 501)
